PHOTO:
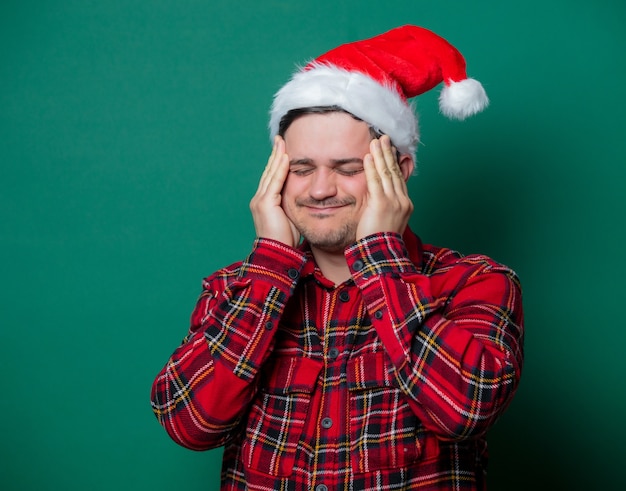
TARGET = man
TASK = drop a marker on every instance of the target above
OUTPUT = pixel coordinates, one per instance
(343, 353)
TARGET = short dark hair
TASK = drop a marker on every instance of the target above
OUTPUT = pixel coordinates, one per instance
(294, 114)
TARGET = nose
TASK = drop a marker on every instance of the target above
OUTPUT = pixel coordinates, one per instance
(323, 184)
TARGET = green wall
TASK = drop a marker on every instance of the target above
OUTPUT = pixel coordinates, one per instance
(132, 134)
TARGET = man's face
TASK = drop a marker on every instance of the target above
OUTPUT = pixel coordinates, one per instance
(325, 191)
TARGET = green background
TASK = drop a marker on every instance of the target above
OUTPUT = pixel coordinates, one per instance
(132, 135)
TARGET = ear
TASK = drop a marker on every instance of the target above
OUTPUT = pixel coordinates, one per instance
(407, 165)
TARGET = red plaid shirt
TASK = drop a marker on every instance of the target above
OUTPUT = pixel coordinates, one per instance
(388, 381)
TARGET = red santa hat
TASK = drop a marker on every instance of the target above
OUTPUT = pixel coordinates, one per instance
(374, 78)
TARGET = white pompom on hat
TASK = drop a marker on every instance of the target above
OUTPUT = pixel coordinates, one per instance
(374, 78)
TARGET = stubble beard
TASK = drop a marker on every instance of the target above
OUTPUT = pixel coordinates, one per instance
(333, 240)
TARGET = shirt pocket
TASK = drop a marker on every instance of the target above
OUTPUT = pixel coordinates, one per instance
(278, 415)
(384, 432)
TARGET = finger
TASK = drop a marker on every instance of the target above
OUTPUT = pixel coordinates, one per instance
(392, 164)
(266, 170)
(372, 176)
(383, 168)
(275, 168)
(279, 171)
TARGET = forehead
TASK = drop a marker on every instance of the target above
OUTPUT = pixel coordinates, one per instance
(335, 132)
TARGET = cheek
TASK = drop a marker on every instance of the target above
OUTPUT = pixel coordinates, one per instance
(289, 194)
(287, 188)
(293, 187)
(356, 187)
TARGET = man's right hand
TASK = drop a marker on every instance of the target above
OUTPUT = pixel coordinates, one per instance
(270, 220)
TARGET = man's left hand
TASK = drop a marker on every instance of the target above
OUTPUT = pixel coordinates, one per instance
(388, 206)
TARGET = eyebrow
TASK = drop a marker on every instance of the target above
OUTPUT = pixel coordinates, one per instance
(336, 162)
(300, 162)
(352, 160)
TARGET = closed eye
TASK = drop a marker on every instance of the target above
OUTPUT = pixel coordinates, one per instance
(349, 170)
(301, 170)
(349, 167)
(344, 167)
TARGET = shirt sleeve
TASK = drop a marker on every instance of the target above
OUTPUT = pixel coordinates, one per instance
(206, 385)
(455, 337)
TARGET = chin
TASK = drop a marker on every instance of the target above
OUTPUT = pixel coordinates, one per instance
(335, 240)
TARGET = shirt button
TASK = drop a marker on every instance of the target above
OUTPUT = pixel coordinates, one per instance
(333, 353)
(269, 326)
(327, 423)
(293, 273)
(378, 314)
(357, 265)
(321, 487)
(344, 296)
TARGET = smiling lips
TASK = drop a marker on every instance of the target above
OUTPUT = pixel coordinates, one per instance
(324, 205)
(323, 209)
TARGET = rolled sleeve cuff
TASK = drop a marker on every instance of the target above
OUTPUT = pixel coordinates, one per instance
(379, 254)
(273, 262)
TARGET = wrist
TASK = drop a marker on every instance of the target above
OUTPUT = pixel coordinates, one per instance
(379, 253)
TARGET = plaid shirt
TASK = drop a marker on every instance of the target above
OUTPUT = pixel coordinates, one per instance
(388, 381)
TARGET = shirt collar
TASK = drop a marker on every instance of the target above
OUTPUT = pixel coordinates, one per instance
(412, 243)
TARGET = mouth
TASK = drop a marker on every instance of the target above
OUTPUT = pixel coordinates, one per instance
(322, 208)
(324, 205)
(322, 211)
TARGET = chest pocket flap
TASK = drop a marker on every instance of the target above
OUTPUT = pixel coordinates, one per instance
(384, 432)
(278, 415)
(291, 374)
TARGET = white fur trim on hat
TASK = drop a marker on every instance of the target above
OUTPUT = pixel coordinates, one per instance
(327, 85)
(461, 99)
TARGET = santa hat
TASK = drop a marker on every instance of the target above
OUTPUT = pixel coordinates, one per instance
(372, 79)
